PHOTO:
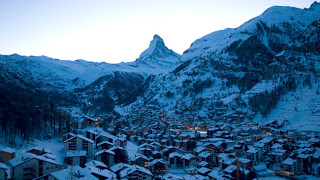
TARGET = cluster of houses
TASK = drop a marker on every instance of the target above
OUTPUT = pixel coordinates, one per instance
(167, 148)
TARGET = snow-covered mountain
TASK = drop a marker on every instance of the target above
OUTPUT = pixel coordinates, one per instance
(268, 66)
(86, 79)
(158, 55)
(253, 67)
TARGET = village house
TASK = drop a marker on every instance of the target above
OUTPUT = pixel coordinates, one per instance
(105, 156)
(291, 167)
(254, 155)
(140, 160)
(74, 172)
(78, 143)
(29, 166)
(6, 154)
(158, 166)
(104, 174)
(136, 172)
(104, 145)
(175, 160)
(76, 158)
(97, 164)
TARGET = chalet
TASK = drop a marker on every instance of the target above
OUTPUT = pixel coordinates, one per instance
(236, 172)
(76, 158)
(120, 154)
(76, 171)
(104, 145)
(97, 164)
(204, 164)
(67, 136)
(189, 160)
(136, 172)
(78, 143)
(227, 162)
(278, 156)
(101, 174)
(208, 157)
(291, 167)
(148, 146)
(140, 160)
(158, 166)
(105, 156)
(6, 154)
(29, 166)
(104, 136)
(90, 134)
(117, 168)
(171, 176)
(204, 171)
(191, 170)
(157, 155)
(145, 151)
(254, 155)
(245, 163)
(175, 160)
(38, 151)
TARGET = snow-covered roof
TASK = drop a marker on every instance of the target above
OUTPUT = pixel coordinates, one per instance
(203, 170)
(278, 152)
(3, 166)
(77, 171)
(79, 136)
(96, 164)
(28, 156)
(244, 160)
(119, 166)
(171, 155)
(187, 156)
(138, 156)
(289, 161)
(9, 150)
(230, 169)
(107, 174)
(215, 174)
(105, 142)
(203, 163)
(195, 177)
(132, 169)
(104, 151)
(156, 161)
(204, 154)
(171, 176)
(76, 153)
(252, 150)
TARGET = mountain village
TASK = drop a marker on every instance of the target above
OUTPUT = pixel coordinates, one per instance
(161, 147)
(239, 104)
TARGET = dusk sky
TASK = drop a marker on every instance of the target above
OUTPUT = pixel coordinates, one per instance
(118, 30)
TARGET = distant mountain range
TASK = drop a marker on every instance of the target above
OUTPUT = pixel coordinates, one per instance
(268, 66)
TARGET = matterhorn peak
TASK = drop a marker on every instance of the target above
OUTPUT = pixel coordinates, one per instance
(157, 50)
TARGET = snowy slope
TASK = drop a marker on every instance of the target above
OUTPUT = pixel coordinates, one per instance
(267, 54)
(288, 22)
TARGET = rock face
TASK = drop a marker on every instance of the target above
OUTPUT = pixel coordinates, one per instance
(158, 55)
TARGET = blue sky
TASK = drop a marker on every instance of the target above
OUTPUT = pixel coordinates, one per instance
(118, 30)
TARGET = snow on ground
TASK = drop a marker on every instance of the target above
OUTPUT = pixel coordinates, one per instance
(300, 108)
(55, 146)
(132, 149)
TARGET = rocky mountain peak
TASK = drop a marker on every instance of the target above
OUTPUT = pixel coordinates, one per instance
(158, 53)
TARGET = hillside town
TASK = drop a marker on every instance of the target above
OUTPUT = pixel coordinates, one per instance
(182, 147)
